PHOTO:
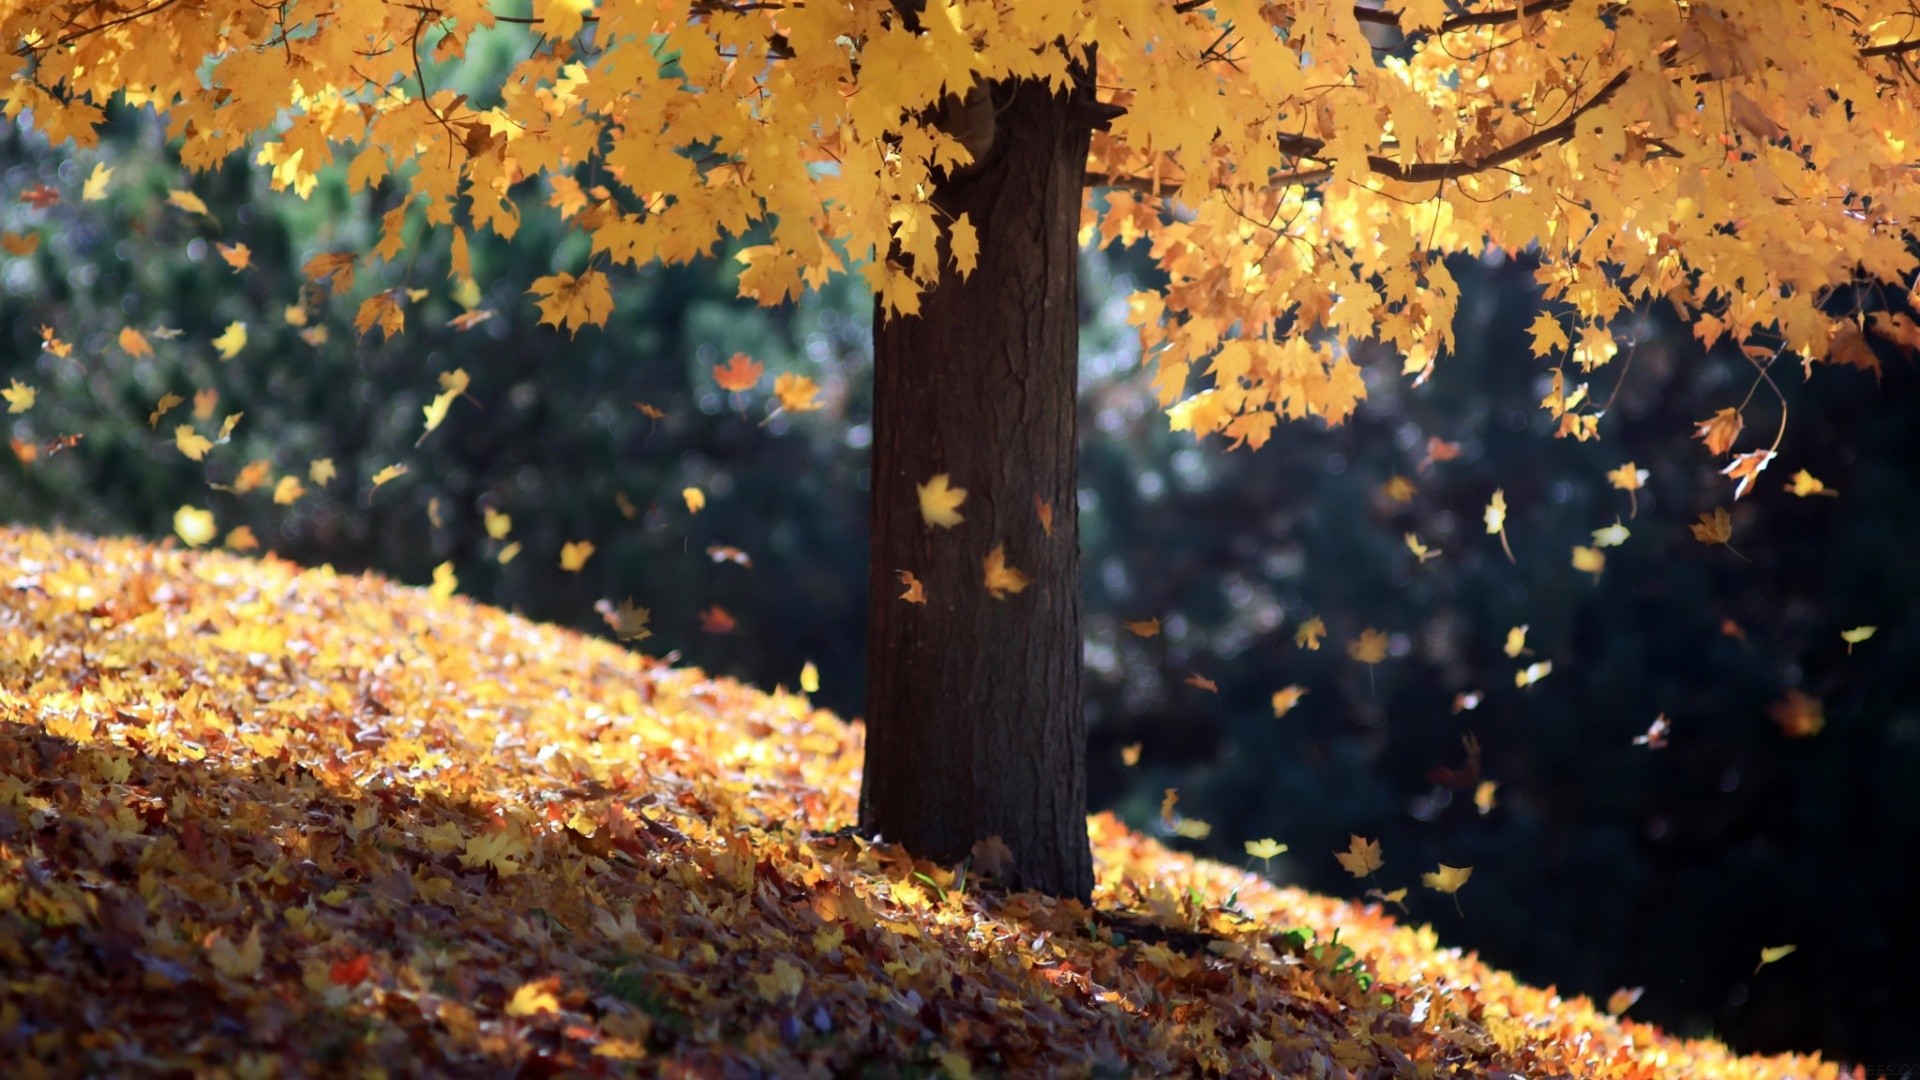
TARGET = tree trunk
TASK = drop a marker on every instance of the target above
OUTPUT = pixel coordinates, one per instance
(975, 726)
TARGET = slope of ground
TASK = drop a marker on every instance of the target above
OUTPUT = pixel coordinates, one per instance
(257, 821)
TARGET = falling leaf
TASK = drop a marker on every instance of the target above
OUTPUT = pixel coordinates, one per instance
(1773, 954)
(288, 491)
(241, 538)
(165, 405)
(1145, 628)
(1532, 673)
(1805, 483)
(204, 402)
(1001, 579)
(383, 310)
(939, 504)
(1370, 647)
(716, 620)
(1285, 698)
(695, 498)
(1630, 480)
(95, 188)
(1483, 796)
(444, 582)
(1308, 634)
(1421, 552)
(391, 472)
(1399, 489)
(497, 524)
(1130, 755)
(1548, 335)
(649, 411)
(1516, 645)
(321, 471)
(508, 553)
(1856, 635)
(809, 678)
(26, 452)
(1265, 848)
(1715, 527)
(238, 256)
(1447, 879)
(433, 513)
(62, 442)
(916, 592)
(232, 340)
(40, 197)
(1201, 682)
(1745, 467)
(1466, 701)
(629, 623)
(1656, 735)
(1397, 897)
(797, 393)
(254, 475)
(1623, 999)
(333, 267)
(191, 443)
(1610, 535)
(574, 555)
(1799, 714)
(1589, 560)
(1496, 517)
(1362, 856)
(20, 396)
(1719, 430)
(738, 374)
(1168, 801)
(188, 201)
(19, 244)
(51, 342)
(1438, 449)
(193, 525)
(134, 343)
(1044, 511)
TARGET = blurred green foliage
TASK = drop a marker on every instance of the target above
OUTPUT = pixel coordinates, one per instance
(1602, 863)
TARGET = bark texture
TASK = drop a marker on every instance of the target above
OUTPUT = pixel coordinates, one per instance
(975, 726)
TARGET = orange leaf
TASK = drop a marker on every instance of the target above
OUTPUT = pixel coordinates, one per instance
(1719, 430)
(738, 374)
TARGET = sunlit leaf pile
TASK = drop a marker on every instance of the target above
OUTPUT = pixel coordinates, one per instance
(259, 821)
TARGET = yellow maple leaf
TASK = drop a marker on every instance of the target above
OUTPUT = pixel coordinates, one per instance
(574, 555)
(242, 539)
(232, 340)
(1532, 673)
(1285, 698)
(336, 268)
(236, 961)
(1370, 647)
(1623, 999)
(497, 523)
(1773, 954)
(288, 491)
(20, 397)
(1496, 518)
(237, 256)
(1856, 635)
(964, 244)
(134, 343)
(1805, 483)
(1145, 628)
(561, 19)
(1447, 879)
(444, 582)
(1611, 535)
(570, 302)
(161, 408)
(1590, 560)
(507, 553)
(1002, 579)
(1516, 644)
(1630, 480)
(389, 473)
(628, 622)
(1265, 848)
(939, 503)
(188, 201)
(797, 393)
(1308, 634)
(1421, 552)
(1399, 489)
(193, 525)
(382, 309)
(809, 678)
(95, 188)
(1483, 796)
(532, 999)
(321, 471)
(227, 424)
(1548, 335)
(191, 443)
(1362, 856)
(695, 498)
(1130, 754)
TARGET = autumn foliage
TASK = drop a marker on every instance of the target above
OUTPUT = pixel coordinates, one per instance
(260, 821)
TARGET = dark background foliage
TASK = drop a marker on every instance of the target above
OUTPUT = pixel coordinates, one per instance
(1603, 864)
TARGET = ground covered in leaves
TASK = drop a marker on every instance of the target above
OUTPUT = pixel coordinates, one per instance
(258, 821)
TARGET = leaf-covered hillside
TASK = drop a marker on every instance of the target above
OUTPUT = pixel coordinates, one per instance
(260, 821)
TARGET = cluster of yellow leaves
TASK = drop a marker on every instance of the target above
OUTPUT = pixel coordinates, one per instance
(236, 786)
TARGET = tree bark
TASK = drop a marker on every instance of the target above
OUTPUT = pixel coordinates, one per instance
(975, 726)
